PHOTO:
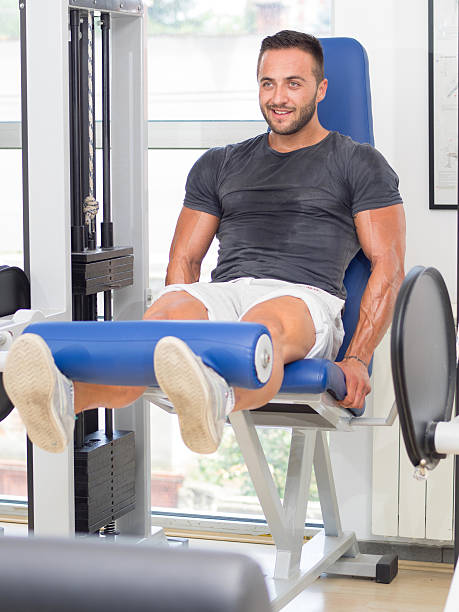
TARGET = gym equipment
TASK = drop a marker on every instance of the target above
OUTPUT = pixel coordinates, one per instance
(424, 374)
(47, 575)
(424, 367)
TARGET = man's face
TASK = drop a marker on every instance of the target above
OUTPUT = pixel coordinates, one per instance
(288, 90)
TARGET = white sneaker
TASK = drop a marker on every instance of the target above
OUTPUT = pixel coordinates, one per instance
(200, 396)
(40, 392)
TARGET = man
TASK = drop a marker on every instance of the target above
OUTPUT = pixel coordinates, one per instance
(291, 208)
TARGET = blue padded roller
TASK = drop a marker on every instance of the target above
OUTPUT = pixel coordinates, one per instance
(121, 352)
(314, 376)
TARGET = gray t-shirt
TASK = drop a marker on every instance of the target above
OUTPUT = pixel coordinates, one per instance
(290, 216)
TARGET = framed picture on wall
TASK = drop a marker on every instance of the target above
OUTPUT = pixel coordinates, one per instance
(443, 103)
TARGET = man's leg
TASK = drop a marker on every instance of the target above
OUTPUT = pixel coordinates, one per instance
(293, 335)
(176, 305)
(47, 400)
(203, 399)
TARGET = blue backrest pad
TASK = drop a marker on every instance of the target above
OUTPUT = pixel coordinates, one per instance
(347, 105)
(347, 109)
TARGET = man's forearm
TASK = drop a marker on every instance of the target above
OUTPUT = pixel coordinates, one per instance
(182, 270)
(377, 307)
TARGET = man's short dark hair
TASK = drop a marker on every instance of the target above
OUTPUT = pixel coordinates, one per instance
(289, 39)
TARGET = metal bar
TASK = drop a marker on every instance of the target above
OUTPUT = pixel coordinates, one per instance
(78, 437)
(298, 480)
(84, 119)
(30, 504)
(92, 125)
(91, 421)
(296, 500)
(375, 422)
(260, 474)
(361, 565)
(456, 461)
(129, 195)
(74, 65)
(50, 271)
(24, 139)
(25, 221)
(164, 134)
(107, 226)
(105, 26)
(326, 487)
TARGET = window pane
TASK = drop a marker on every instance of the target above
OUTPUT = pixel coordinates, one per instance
(202, 54)
(11, 208)
(181, 480)
(10, 62)
(13, 463)
(167, 173)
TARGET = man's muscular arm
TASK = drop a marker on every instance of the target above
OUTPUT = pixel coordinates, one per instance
(193, 235)
(381, 233)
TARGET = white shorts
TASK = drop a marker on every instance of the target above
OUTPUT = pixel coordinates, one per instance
(230, 301)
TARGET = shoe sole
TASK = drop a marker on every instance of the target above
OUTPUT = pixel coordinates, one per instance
(180, 377)
(29, 380)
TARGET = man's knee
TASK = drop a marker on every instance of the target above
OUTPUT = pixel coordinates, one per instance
(176, 305)
(289, 323)
(274, 324)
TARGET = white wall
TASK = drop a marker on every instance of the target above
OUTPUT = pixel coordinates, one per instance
(394, 33)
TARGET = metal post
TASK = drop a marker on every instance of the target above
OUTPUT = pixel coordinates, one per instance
(296, 500)
(46, 141)
(74, 64)
(25, 218)
(456, 460)
(107, 225)
(130, 217)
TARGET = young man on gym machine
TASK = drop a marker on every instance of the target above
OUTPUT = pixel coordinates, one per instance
(290, 208)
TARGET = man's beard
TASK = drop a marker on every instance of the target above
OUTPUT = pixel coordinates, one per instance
(306, 114)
